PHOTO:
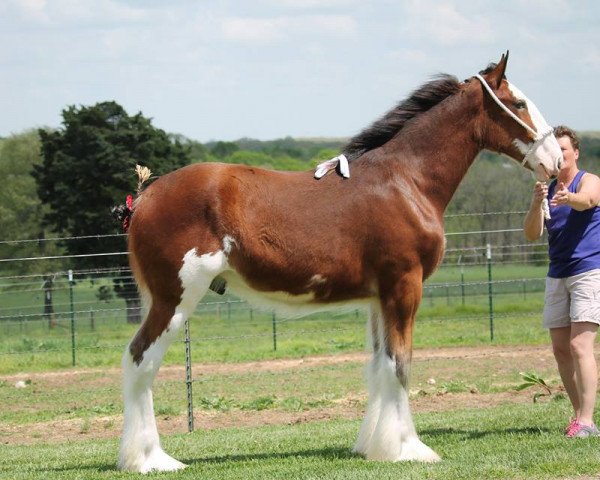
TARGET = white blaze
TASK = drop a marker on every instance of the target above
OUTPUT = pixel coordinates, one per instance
(547, 155)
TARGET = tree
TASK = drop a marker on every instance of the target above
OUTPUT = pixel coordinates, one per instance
(21, 211)
(224, 149)
(88, 167)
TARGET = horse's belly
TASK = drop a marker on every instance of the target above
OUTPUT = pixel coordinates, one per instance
(286, 304)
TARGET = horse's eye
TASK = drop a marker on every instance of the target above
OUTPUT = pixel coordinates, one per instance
(520, 104)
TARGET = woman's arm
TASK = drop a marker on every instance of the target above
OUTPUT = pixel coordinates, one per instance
(587, 195)
(533, 226)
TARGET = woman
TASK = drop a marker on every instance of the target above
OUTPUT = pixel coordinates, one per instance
(572, 300)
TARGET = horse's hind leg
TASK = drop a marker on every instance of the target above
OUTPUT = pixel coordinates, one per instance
(140, 446)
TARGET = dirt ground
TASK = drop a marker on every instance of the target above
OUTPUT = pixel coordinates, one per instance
(350, 407)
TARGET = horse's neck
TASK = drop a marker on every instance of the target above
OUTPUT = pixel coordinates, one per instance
(438, 150)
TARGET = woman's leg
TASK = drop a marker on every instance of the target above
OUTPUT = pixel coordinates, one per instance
(561, 346)
(583, 338)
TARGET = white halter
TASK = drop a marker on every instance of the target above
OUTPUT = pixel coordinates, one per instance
(538, 136)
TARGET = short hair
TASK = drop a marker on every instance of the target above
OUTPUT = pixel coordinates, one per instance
(563, 131)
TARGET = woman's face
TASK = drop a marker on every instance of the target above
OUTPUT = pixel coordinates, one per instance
(570, 155)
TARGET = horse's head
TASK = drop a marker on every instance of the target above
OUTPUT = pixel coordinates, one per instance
(514, 125)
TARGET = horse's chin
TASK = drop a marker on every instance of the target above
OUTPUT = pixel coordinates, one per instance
(541, 174)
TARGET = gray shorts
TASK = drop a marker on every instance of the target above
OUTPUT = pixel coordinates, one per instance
(572, 299)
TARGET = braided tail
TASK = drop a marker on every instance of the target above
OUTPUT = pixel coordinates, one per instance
(143, 174)
(122, 213)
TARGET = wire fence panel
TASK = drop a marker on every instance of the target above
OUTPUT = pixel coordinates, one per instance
(49, 320)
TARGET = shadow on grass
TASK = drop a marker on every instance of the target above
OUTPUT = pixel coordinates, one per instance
(342, 453)
(333, 453)
(330, 453)
(476, 434)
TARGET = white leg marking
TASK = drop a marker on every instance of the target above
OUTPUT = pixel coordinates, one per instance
(140, 445)
(388, 432)
(375, 341)
(367, 428)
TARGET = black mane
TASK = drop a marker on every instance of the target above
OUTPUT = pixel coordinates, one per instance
(421, 100)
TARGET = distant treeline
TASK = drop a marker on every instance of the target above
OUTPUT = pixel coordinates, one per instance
(301, 153)
(282, 154)
(493, 184)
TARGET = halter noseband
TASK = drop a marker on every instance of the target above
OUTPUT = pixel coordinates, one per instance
(538, 136)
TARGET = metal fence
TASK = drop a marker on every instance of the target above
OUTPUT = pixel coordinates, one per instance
(66, 316)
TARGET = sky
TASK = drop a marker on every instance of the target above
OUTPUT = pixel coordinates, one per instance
(267, 69)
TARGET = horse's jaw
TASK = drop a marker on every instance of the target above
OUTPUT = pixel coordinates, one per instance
(549, 156)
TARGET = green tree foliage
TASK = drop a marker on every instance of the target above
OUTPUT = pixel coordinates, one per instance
(224, 149)
(198, 152)
(21, 211)
(491, 185)
(259, 159)
(301, 149)
(88, 166)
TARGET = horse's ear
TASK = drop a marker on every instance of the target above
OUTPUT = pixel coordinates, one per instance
(497, 74)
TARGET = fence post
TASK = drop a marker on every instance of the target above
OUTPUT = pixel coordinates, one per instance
(274, 332)
(70, 275)
(462, 284)
(92, 324)
(488, 254)
(188, 377)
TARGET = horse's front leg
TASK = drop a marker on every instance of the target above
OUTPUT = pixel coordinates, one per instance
(388, 432)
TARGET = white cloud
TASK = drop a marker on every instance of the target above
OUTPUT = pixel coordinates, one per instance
(338, 25)
(60, 13)
(28, 10)
(312, 4)
(256, 30)
(269, 30)
(443, 23)
(190, 64)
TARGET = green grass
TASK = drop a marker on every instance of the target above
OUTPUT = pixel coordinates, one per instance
(509, 441)
(36, 348)
(506, 441)
(232, 332)
(96, 394)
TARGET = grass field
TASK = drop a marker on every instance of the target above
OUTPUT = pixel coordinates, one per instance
(293, 412)
(232, 332)
(509, 442)
(492, 433)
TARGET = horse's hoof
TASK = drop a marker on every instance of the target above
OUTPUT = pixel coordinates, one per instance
(161, 462)
(157, 461)
(415, 450)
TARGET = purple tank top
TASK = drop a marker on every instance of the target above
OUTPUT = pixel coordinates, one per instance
(573, 237)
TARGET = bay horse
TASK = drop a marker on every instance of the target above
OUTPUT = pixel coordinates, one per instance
(301, 244)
